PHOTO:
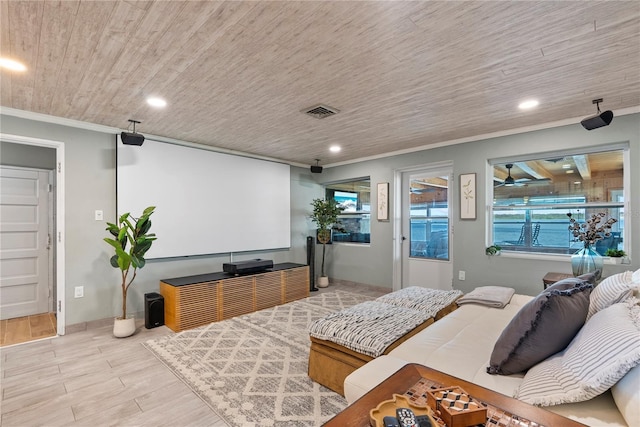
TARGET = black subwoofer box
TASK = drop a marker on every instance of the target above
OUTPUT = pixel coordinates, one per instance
(153, 310)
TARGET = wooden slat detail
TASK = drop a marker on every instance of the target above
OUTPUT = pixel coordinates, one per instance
(268, 290)
(190, 306)
(296, 283)
(198, 304)
(237, 296)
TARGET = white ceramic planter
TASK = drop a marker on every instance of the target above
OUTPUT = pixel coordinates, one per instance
(323, 281)
(124, 327)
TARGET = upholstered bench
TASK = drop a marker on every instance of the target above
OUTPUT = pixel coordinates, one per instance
(343, 341)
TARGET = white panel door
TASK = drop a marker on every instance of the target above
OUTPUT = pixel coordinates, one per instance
(426, 257)
(24, 258)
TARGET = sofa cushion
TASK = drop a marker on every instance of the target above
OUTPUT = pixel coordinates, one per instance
(541, 328)
(612, 290)
(362, 380)
(605, 349)
(626, 394)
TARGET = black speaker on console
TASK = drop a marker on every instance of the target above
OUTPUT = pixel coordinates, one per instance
(153, 310)
(311, 261)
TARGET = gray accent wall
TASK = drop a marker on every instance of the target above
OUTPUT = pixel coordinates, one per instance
(373, 264)
(90, 174)
(90, 185)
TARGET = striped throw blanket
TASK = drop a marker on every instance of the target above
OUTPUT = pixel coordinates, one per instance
(428, 300)
(370, 327)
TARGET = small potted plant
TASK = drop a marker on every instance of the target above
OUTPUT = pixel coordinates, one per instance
(493, 250)
(325, 215)
(134, 234)
(616, 254)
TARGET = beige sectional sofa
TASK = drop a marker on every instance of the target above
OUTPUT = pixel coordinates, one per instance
(461, 344)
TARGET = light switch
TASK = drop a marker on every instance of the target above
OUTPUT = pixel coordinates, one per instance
(99, 216)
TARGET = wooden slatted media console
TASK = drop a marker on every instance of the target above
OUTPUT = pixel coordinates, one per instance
(197, 300)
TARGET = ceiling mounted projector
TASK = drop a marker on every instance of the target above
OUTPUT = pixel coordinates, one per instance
(132, 138)
(599, 120)
(316, 168)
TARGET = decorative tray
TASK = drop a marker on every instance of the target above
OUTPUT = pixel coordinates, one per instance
(417, 396)
(388, 408)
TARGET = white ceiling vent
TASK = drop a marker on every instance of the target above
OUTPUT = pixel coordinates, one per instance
(320, 111)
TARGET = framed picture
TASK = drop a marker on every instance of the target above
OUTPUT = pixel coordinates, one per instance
(383, 201)
(467, 196)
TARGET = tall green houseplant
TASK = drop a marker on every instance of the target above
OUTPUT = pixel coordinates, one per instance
(134, 234)
(325, 215)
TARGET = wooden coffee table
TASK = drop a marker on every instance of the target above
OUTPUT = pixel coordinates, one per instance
(357, 414)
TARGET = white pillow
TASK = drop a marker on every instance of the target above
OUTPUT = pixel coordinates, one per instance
(626, 394)
(604, 350)
(612, 290)
(635, 277)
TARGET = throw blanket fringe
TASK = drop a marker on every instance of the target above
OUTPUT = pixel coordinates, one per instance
(492, 296)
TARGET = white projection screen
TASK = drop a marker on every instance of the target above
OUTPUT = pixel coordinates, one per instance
(206, 202)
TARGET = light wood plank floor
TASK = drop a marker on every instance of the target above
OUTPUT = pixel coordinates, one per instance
(92, 379)
(28, 328)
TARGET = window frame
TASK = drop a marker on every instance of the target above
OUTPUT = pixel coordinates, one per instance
(626, 180)
(362, 214)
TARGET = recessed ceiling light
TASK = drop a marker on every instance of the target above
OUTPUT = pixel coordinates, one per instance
(528, 104)
(156, 102)
(569, 171)
(566, 166)
(577, 182)
(12, 65)
(334, 148)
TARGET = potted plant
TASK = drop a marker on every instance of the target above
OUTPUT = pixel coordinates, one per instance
(616, 255)
(131, 241)
(493, 250)
(325, 215)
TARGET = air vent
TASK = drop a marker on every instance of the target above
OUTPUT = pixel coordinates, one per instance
(320, 111)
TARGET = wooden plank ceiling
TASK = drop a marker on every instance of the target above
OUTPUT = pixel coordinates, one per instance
(403, 74)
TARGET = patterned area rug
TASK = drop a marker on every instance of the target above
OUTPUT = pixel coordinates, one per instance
(252, 370)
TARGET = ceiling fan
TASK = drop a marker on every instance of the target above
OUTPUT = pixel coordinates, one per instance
(510, 181)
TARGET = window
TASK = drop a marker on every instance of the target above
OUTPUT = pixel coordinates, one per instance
(531, 199)
(429, 216)
(355, 197)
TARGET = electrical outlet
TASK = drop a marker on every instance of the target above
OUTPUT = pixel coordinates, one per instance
(461, 275)
(79, 292)
(99, 215)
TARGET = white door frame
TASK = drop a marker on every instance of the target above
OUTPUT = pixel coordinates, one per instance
(397, 216)
(59, 240)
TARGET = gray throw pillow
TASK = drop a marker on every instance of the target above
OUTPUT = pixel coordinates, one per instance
(572, 282)
(543, 327)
